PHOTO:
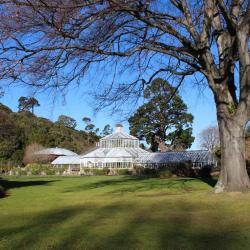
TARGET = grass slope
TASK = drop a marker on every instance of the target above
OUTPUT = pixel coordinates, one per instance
(121, 213)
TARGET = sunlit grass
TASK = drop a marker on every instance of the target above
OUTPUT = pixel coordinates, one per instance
(121, 213)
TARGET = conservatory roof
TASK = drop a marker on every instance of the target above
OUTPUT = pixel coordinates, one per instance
(119, 134)
(115, 153)
(177, 157)
(55, 151)
(66, 160)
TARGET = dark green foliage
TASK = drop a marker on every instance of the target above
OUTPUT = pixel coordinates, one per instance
(106, 171)
(166, 173)
(38, 169)
(141, 171)
(90, 129)
(99, 171)
(184, 170)
(17, 130)
(163, 121)
(66, 121)
(171, 170)
(34, 169)
(124, 172)
(181, 169)
(27, 104)
(107, 130)
(11, 138)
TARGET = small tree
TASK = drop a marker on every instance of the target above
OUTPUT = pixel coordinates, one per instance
(23, 104)
(209, 138)
(33, 102)
(67, 121)
(90, 127)
(164, 124)
(27, 104)
(30, 155)
(107, 130)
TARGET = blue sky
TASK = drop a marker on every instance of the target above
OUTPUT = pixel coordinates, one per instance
(77, 105)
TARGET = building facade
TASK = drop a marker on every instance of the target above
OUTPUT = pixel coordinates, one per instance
(121, 150)
(118, 150)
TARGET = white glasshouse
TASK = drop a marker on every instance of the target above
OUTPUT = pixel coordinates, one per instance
(118, 150)
(121, 150)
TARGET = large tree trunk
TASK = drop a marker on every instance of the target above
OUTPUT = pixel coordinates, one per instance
(233, 175)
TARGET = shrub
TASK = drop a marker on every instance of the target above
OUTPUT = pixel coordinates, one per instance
(141, 171)
(87, 171)
(182, 169)
(137, 170)
(106, 170)
(123, 171)
(185, 170)
(101, 171)
(205, 171)
(38, 169)
(166, 173)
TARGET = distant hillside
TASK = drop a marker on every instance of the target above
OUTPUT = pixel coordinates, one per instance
(20, 129)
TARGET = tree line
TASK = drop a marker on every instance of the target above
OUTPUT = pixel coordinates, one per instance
(20, 129)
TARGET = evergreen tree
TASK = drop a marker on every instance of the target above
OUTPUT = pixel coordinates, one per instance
(90, 128)
(107, 130)
(27, 104)
(163, 121)
(67, 121)
(33, 102)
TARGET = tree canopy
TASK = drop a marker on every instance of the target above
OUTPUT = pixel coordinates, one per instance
(21, 130)
(163, 120)
(27, 104)
(67, 121)
(107, 130)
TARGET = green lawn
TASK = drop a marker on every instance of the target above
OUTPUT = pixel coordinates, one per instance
(121, 213)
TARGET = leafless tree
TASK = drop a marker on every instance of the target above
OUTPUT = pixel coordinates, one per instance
(206, 39)
(209, 138)
(30, 155)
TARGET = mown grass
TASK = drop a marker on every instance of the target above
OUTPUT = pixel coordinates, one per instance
(121, 213)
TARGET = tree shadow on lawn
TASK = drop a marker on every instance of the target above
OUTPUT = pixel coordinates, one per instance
(211, 181)
(9, 184)
(140, 184)
(127, 226)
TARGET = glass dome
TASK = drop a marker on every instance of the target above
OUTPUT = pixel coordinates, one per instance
(119, 139)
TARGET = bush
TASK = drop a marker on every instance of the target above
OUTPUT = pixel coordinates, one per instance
(105, 171)
(33, 169)
(101, 171)
(123, 172)
(204, 171)
(38, 169)
(141, 171)
(166, 173)
(87, 171)
(182, 169)
(185, 170)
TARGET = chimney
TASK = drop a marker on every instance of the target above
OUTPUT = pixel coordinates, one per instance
(119, 128)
